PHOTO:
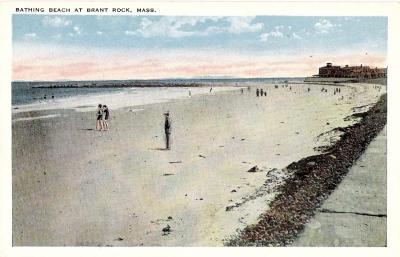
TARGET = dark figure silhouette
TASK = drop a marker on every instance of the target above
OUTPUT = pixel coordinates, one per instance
(167, 129)
(262, 92)
(258, 92)
(265, 93)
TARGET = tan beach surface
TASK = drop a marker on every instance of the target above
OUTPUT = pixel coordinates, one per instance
(75, 186)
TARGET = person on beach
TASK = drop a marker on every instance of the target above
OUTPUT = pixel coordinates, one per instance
(106, 115)
(210, 89)
(258, 92)
(167, 130)
(241, 91)
(190, 93)
(265, 93)
(262, 92)
(99, 115)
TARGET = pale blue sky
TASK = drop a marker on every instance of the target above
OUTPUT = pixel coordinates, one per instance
(261, 33)
(116, 47)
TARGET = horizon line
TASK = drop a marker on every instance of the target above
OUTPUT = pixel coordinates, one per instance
(160, 79)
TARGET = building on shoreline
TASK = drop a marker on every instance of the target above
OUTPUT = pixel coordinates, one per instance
(357, 72)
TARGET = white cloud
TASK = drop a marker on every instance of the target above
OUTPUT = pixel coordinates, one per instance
(99, 33)
(29, 36)
(296, 36)
(130, 33)
(184, 26)
(56, 21)
(275, 33)
(243, 24)
(77, 30)
(170, 27)
(325, 26)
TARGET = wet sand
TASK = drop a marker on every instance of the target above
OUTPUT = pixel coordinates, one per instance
(76, 186)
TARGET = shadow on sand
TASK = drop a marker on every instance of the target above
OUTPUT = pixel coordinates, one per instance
(158, 149)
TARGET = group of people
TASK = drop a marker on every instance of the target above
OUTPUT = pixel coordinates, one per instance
(261, 92)
(43, 98)
(102, 115)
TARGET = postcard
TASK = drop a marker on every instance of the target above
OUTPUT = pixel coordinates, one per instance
(137, 128)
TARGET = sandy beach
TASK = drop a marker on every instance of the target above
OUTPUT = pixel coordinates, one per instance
(74, 186)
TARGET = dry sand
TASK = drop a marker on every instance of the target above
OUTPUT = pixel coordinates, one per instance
(76, 186)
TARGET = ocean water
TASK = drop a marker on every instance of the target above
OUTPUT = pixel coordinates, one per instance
(27, 97)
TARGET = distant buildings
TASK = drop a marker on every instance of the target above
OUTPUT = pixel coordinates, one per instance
(359, 72)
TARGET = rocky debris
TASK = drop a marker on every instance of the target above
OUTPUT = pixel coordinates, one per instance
(173, 162)
(254, 169)
(271, 171)
(230, 207)
(169, 218)
(233, 191)
(119, 239)
(202, 156)
(275, 177)
(166, 230)
(168, 174)
(312, 180)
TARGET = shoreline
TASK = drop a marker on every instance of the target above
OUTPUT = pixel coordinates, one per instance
(312, 180)
(118, 100)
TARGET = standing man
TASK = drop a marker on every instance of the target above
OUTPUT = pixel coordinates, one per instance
(167, 129)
